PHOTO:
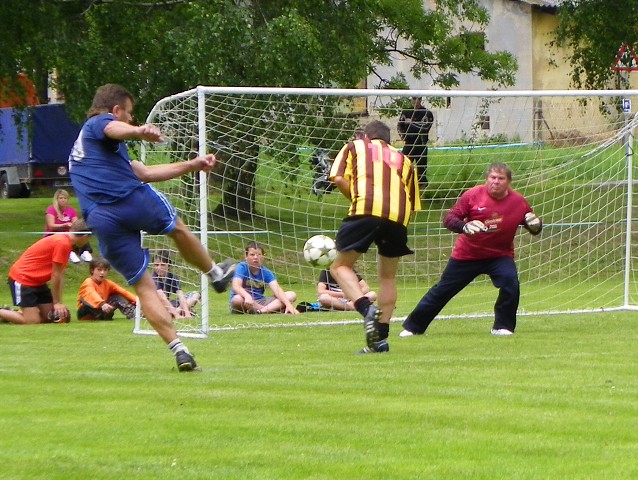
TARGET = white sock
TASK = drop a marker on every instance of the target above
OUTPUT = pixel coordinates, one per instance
(177, 346)
(215, 273)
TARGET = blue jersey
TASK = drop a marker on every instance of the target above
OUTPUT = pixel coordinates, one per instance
(255, 284)
(100, 167)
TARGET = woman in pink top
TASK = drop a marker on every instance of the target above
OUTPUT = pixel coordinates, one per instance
(59, 218)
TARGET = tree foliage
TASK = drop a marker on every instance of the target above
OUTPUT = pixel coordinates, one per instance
(156, 48)
(593, 32)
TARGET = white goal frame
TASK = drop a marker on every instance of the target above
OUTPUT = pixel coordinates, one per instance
(201, 93)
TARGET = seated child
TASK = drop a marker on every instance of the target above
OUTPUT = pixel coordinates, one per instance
(99, 297)
(168, 284)
(249, 284)
(331, 297)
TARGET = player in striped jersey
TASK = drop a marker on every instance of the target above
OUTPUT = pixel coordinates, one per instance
(383, 188)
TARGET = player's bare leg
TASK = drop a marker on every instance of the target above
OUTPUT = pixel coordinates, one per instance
(154, 311)
(343, 272)
(342, 269)
(387, 298)
(159, 318)
(191, 249)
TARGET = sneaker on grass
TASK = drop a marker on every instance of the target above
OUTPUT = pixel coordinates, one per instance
(377, 347)
(74, 257)
(501, 332)
(185, 362)
(406, 333)
(371, 325)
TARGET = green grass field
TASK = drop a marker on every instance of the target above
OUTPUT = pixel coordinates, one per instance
(91, 400)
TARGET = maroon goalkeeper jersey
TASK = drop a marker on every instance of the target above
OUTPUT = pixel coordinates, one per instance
(501, 217)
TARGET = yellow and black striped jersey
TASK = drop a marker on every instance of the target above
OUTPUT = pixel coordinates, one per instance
(383, 181)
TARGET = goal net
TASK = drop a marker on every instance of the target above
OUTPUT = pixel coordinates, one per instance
(570, 152)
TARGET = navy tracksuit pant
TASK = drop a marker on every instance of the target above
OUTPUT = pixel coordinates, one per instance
(455, 277)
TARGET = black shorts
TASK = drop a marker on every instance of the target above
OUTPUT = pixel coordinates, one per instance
(357, 233)
(25, 297)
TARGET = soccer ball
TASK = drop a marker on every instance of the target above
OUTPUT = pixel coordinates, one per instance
(320, 251)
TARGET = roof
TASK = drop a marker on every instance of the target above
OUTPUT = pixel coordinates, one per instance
(544, 3)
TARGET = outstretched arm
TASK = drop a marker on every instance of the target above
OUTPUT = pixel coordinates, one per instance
(118, 130)
(158, 173)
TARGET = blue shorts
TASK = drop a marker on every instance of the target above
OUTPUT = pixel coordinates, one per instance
(118, 229)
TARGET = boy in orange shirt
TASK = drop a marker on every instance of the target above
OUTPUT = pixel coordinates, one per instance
(98, 297)
(42, 262)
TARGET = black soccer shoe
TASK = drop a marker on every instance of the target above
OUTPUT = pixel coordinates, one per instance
(185, 362)
(377, 347)
(223, 277)
(371, 325)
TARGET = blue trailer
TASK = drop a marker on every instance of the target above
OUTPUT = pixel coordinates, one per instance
(35, 143)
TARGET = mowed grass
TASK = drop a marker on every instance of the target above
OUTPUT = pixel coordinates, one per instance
(91, 400)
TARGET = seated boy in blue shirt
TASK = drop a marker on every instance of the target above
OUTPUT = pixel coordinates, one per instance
(249, 285)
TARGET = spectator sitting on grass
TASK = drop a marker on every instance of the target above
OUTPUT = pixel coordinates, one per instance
(168, 284)
(98, 297)
(331, 297)
(250, 282)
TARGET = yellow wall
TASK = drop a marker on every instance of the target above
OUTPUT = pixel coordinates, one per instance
(551, 70)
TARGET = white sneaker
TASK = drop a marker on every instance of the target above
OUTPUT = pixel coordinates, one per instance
(74, 257)
(86, 256)
(502, 332)
(406, 333)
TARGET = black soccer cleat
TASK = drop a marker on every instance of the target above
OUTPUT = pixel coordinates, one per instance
(224, 275)
(185, 362)
(371, 325)
(377, 347)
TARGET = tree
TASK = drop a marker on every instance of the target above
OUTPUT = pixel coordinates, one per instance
(156, 48)
(593, 32)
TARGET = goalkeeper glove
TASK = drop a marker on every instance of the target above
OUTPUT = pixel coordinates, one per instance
(533, 223)
(475, 226)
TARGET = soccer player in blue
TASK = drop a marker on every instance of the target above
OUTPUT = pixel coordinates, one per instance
(118, 202)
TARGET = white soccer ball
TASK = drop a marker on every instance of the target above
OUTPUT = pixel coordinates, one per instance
(320, 251)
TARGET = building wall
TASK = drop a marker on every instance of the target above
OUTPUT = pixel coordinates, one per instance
(524, 30)
(550, 70)
(510, 29)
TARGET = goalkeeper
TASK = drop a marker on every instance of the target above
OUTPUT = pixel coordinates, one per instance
(487, 217)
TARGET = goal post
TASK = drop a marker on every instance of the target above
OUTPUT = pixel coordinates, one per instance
(571, 153)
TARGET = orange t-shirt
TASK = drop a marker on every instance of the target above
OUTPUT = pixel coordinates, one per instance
(35, 266)
(95, 294)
